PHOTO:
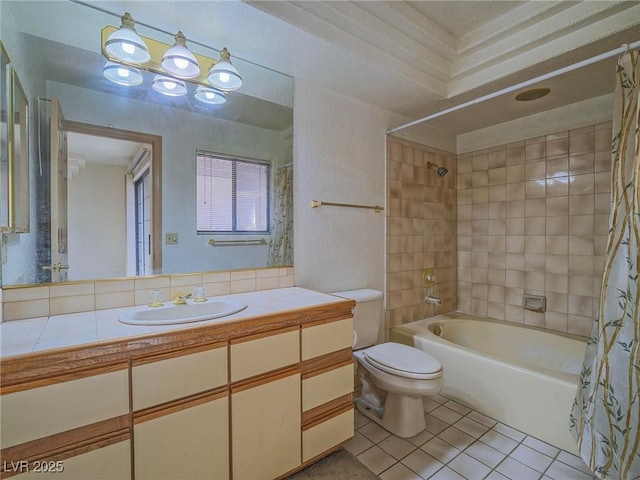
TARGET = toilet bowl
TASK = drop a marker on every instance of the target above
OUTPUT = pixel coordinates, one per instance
(395, 377)
(405, 375)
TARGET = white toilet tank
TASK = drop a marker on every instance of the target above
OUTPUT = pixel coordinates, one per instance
(367, 315)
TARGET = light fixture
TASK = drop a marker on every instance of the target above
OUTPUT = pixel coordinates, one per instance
(176, 68)
(122, 74)
(223, 75)
(126, 45)
(171, 87)
(179, 61)
(211, 96)
(533, 94)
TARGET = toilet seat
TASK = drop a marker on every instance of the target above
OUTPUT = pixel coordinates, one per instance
(403, 360)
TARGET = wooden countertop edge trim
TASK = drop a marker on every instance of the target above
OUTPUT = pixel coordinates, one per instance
(38, 366)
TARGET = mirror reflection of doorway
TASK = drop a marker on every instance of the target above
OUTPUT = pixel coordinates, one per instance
(109, 207)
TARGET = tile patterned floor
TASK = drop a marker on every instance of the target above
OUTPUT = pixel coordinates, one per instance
(460, 444)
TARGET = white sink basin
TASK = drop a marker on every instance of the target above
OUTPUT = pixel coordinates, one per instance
(170, 314)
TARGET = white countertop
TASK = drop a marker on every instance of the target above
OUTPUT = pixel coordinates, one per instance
(63, 331)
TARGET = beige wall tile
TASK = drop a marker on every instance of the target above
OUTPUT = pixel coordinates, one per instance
(71, 304)
(108, 286)
(71, 289)
(115, 299)
(23, 294)
(581, 163)
(19, 310)
(556, 147)
(514, 155)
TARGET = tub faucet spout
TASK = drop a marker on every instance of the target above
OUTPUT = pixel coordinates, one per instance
(431, 300)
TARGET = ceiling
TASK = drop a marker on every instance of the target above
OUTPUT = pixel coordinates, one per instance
(411, 58)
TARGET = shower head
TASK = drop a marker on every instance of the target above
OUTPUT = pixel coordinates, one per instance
(440, 171)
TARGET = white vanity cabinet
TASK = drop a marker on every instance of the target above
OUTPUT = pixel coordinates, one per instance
(265, 404)
(257, 398)
(327, 385)
(180, 414)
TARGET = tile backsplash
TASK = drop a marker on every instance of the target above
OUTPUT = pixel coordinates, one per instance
(56, 299)
(532, 217)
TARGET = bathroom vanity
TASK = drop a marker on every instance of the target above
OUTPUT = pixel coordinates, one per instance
(258, 394)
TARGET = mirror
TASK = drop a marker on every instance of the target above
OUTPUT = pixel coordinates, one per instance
(4, 140)
(57, 62)
(19, 157)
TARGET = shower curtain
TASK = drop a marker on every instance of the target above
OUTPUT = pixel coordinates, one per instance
(605, 416)
(281, 243)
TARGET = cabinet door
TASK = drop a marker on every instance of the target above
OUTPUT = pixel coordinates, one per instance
(185, 441)
(265, 421)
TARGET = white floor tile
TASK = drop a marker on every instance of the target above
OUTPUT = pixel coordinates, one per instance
(422, 464)
(468, 467)
(360, 420)
(421, 438)
(485, 454)
(429, 404)
(397, 447)
(573, 461)
(532, 458)
(376, 459)
(471, 427)
(498, 441)
(358, 444)
(461, 444)
(515, 470)
(457, 407)
(482, 419)
(447, 474)
(399, 472)
(440, 450)
(509, 432)
(374, 432)
(434, 424)
(496, 476)
(457, 438)
(541, 446)
(562, 471)
(446, 415)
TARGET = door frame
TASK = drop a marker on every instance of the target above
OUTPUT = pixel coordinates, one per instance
(156, 175)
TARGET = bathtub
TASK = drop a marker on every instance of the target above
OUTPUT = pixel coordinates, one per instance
(522, 376)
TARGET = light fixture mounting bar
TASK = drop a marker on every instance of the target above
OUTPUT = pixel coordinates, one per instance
(157, 50)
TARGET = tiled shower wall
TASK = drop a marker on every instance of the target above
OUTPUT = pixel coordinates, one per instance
(532, 217)
(421, 226)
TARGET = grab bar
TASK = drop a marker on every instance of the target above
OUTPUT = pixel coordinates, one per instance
(318, 203)
(230, 243)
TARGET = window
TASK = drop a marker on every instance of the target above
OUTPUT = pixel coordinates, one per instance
(232, 194)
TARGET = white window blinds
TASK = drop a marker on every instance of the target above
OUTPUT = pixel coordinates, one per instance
(232, 194)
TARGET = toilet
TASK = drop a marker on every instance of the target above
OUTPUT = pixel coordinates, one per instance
(395, 377)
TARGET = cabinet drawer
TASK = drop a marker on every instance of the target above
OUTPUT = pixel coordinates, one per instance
(103, 463)
(190, 373)
(43, 411)
(264, 353)
(327, 386)
(326, 435)
(326, 338)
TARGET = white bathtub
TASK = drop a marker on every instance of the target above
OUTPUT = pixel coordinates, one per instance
(522, 376)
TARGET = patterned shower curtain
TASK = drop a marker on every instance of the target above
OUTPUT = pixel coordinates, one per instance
(605, 415)
(281, 243)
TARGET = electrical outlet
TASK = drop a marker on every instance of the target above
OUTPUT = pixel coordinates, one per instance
(170, 238)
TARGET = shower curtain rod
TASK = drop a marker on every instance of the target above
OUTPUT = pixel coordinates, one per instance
(623, 49)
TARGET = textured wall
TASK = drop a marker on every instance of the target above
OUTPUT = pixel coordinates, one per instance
(533, 218)
(339, 151)
(421, 231)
